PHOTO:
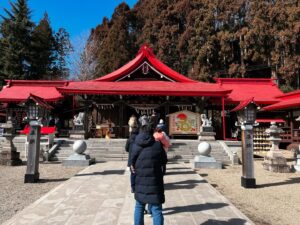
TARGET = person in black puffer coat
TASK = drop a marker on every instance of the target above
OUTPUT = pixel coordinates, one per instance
(128, 148)
(148, 157)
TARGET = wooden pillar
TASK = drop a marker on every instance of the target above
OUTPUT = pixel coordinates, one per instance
(121, 119)
(292, 124)
(73, 105)
(223, 118)
(86, 119)
(167, 112)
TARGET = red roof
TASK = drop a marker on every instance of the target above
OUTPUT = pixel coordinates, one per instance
(163, 88)
(286, 101)
(145, 54)
(20, 90)
(175, 84)
(264, 91)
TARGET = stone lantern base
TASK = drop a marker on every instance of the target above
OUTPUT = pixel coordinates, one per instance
(10, 158)
(297, 166)
(275, 162)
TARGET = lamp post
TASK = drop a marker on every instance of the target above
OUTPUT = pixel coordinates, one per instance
(246, 118)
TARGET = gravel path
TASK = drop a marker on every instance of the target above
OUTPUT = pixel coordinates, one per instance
(275, 201)
(15, 195)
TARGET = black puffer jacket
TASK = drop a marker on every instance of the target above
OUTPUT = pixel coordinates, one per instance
(129, 144)
(148, 157)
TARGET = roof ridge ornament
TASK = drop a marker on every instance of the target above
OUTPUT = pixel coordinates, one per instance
(145, 68)
(146, 50)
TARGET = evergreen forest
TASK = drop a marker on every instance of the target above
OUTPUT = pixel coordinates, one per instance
(30, 51)
(203, 39)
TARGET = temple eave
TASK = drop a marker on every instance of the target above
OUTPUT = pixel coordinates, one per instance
(148, 93)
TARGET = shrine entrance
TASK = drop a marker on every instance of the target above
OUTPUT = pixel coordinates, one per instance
(113, 112)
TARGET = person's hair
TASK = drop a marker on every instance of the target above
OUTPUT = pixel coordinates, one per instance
(158, 129)
(146, 129)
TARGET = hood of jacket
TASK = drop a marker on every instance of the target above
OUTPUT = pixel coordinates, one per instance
(144, 139)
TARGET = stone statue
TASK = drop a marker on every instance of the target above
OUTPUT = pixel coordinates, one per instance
(205, 122)
(206, 130)
(78, 120)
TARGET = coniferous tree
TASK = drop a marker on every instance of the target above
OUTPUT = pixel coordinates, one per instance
(208, 38)
(16, 29)
(43, 47)
(118, 45)
(29, 52)
(63, 48)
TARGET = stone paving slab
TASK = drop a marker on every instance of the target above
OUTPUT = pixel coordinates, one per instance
(100, 195)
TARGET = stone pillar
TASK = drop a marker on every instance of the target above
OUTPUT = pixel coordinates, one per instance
(8, 154)
(274, 160)
(247, 179)
(32, 173)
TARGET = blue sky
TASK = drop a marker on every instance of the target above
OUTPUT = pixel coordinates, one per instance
(77, 16)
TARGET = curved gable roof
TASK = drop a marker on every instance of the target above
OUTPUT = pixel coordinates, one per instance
(145, 54)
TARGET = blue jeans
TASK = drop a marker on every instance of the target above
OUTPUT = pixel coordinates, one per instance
(156, 210)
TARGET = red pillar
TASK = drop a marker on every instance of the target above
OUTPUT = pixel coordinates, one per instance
(223, 118)
(73, 105)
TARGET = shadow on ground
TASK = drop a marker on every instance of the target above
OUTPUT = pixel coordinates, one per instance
(235, 221)
(193, 208)
(293, 180)
(52, 180)
(105, 172)
(187, 184)
(176, 168)
(179, 172)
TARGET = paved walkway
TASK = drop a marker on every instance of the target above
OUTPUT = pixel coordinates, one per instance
(100, 194)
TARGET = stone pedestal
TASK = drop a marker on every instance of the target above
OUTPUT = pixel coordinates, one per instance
(206, 134)
(274, 160)
(78, 158)
(10, 158)
(8, 154)
(77, 134)
(204, 160)
(297, 166)
(209, 162)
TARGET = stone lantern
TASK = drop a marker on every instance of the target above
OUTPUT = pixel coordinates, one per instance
(9, 155)
(274, 160)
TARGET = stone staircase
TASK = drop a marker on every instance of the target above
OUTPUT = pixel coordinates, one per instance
(114, 150)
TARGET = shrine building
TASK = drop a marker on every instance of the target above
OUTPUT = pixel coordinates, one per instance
(145, 85)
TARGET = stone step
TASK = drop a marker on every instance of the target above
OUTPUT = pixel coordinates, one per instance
(101, 149)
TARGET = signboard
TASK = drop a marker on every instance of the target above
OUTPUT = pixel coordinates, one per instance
(184, 122)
